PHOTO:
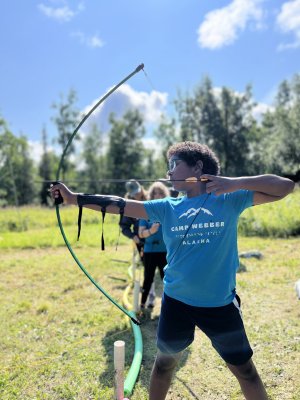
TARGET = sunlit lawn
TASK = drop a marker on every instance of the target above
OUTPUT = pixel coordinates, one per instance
(57, 331)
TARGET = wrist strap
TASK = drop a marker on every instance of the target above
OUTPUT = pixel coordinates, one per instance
(103, 202)
(79, 222)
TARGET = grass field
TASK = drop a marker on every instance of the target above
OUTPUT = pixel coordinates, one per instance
(57, 331)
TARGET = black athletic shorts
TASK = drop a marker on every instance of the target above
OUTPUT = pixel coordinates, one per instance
(223, 326)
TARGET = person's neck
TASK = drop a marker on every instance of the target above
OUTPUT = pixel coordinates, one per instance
(198, 190)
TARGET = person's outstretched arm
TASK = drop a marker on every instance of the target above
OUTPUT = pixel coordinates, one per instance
(112, 204)
(266, 188)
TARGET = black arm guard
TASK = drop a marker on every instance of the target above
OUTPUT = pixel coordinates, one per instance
(103, 202)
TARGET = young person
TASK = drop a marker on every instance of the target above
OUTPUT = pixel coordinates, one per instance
(154, 249)
(129, 225)
(200, 233)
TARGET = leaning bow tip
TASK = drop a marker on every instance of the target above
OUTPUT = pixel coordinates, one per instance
(139, 68)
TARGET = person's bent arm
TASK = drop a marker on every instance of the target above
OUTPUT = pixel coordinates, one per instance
(266, 188)
(126, 227)
(146, 232)
(132, 208)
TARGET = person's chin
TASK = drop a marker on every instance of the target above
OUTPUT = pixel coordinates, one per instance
(177, 186)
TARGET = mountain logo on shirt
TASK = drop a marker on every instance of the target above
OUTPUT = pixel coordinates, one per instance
(194, 211)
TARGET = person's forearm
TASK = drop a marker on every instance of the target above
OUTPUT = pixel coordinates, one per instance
(269, 184)
(112, 204)
(145, 233)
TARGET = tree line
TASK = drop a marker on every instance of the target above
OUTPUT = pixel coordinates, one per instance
(223, 119)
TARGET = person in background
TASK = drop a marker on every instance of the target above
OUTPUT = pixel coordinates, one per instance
(154, 249)
(130, 226)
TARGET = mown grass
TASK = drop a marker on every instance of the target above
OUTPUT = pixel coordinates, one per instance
(57, 331)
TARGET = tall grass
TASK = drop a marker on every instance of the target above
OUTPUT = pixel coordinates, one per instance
(34, 227)
(280, 219)
(31, 217)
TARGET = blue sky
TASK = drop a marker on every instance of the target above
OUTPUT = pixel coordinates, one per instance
(51, 46)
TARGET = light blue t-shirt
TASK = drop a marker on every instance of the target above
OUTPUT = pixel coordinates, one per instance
(154, 243)
(200, 235)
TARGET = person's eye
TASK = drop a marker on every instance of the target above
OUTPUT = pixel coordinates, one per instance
(173, 164)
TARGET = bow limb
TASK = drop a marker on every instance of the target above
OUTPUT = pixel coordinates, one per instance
(139, 68)
(115, 303)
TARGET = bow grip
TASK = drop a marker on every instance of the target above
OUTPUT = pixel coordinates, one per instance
(58, 200)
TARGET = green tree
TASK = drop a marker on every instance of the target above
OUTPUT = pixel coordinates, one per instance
(47, 166)
(94, 161)
(221, 119)
(280, 146)
(166, 134)
(198, 114)
(232, 142)
(125, 155)
(66, 122)
(16, 168)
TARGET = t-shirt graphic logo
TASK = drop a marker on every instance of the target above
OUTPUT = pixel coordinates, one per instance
(194, 211)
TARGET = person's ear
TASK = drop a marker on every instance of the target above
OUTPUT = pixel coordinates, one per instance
(199, 166)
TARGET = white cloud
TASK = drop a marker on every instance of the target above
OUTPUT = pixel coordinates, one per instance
(221, 26)
(288, 21)
(61, 14)
(36, 150)
(151, 106)
(260, 109)
(95, 41)
(89, 41)
(150, 143)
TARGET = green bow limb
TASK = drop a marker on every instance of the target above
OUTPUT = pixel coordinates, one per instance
(59, 200)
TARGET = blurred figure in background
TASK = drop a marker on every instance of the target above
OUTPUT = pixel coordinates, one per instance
(154, 249)
(130, 226)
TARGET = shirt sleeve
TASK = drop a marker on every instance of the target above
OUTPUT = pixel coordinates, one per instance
(156, 209)
(241, 199)
(143, 222)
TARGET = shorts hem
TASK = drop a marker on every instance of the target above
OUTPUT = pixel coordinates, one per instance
(164, 351)
(240, 361)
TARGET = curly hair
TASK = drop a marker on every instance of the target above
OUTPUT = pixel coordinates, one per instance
(158, 187)
(191, 152)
